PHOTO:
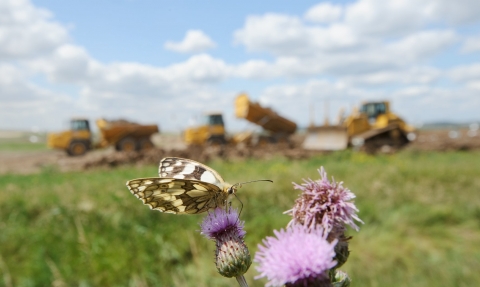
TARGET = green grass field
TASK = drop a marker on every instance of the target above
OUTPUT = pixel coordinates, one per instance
(21, 142)
(421, 213)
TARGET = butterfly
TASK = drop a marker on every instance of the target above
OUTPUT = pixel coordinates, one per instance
(184, 187)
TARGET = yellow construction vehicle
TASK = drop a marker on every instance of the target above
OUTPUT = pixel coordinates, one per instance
(123, 135)
(370, 128)
(277, 128)
(210, 131)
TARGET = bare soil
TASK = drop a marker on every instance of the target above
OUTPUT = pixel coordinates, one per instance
(35, 161)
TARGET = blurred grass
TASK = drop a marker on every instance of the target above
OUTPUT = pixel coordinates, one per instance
(23, 141)
(421, 213)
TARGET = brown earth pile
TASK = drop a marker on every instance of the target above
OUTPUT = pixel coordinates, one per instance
(154, 156)
(30, 162)
(446, 140)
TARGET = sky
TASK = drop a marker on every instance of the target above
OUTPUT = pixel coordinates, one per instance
(169, 62)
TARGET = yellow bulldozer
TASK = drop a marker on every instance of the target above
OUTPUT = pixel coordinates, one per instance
(370, 128)
(123, 135)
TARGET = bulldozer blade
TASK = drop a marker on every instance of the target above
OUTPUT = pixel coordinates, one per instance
(326, 138)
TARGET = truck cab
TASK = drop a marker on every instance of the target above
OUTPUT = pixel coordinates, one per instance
(76, 141)
(211, 130)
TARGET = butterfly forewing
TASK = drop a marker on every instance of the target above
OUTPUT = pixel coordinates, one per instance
(180, 196)
(181, 168)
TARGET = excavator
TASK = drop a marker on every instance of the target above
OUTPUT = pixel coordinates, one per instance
(372, 127)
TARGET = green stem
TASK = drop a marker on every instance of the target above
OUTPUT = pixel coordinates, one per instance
(241, 280)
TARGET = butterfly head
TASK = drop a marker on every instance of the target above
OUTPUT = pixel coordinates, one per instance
(232, 189)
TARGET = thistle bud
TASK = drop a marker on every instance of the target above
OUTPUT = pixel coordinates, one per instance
(341, 279)
(232, 257)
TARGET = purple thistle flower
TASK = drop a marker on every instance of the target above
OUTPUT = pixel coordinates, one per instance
(324, 203)
(231, 254)
(297, 256)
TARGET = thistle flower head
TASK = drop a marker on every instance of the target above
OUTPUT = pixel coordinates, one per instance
(324, 203)
(297, 256)
(220, 220)
(232, 257)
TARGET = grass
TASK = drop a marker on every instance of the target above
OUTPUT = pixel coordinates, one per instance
(421, 213)
(21, 142)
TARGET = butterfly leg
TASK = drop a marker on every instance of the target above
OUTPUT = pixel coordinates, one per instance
(241, 204)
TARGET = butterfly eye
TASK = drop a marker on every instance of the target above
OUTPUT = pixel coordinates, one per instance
(231, 190)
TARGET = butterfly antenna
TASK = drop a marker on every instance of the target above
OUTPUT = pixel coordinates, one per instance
(240, 183)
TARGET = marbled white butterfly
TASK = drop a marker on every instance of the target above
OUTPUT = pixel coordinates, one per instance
(184, 187)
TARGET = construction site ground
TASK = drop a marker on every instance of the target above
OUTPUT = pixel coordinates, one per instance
(23, 162)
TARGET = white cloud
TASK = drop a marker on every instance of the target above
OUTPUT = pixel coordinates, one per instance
(422, 45)
(471, 45)
(19, 98)
(195, 41)
(399, 17)
(284, 35)
(368, 49)
(26, 31)
(415, 75)
(275, 33)
(324, 13)
(465, 73)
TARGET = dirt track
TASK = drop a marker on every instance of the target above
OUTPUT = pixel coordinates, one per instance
(31, 162)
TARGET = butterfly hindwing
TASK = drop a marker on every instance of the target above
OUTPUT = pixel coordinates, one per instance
(181, 168)
(179, 196)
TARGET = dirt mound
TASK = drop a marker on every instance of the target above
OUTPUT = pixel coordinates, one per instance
(154, 156)
(445, 140)
(31, 162)
(430, 140)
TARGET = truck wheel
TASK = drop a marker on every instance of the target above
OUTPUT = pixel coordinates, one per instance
(145, 144)
(77, 148)
(127, 144)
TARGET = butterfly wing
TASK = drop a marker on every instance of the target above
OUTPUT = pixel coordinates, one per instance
(182, 168)
(178, 196)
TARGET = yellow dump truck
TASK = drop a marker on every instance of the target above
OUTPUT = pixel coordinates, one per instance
(123, 135)
(210, 131)
(278, 128)
(371, 127)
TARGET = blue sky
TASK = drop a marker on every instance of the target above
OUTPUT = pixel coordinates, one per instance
(167, 62)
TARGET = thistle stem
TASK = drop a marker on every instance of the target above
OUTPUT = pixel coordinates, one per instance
(241, 280)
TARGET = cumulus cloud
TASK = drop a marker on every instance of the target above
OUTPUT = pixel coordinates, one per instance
(471, 45)
(340, 54)
(390, 18)
(413, 75)
(284, 35)
(27, 31)
(324, 13)
(465, 73)
(195, 41)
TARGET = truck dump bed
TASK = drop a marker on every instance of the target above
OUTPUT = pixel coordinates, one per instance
(264, 117)
(114, 131)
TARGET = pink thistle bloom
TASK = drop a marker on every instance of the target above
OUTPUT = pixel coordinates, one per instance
(219, 221)
(297, 256)
(324, 203)
(232, 257)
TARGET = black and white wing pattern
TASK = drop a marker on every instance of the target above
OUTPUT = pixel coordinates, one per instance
(184, 187)
(182, 168)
